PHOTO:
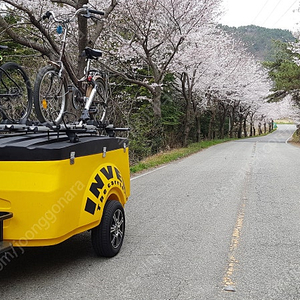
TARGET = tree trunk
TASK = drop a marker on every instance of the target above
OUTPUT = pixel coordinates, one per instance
(230, 129)
(251, 128)
(157, 138)
(245, 127)
(156, 102)
(186, 87)
(211, 125)
(82, 39)
(187, 126)
(259, 128)
(222, 124)
(198, 124)
(240, 127)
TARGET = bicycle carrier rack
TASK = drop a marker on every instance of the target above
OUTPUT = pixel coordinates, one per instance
(71, 130)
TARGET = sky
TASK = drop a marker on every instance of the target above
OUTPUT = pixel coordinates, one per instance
(282, 14)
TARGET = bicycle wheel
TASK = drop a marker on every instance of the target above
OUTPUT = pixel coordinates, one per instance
(99, 106)
(15, 93)
(50, 92)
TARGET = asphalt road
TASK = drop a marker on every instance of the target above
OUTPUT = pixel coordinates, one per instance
(221, 224)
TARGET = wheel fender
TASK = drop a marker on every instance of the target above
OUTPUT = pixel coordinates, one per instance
(105, 183)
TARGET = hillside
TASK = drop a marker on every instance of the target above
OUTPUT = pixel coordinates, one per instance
(259, 39)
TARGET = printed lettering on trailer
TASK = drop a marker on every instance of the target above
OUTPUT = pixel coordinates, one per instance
(103, 181)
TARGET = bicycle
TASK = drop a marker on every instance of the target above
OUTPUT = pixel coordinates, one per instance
(15, 93)
(89, 94)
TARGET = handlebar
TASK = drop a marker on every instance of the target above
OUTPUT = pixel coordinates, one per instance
(97, 12)
(84, 11)
(47, 15)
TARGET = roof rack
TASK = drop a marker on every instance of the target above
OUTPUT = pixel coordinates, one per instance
(71, 130)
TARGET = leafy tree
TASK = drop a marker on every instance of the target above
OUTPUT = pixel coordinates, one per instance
(15, 52)
(285, 73)
(259, 40)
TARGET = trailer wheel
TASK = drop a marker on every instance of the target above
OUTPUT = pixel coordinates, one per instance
(107, 237)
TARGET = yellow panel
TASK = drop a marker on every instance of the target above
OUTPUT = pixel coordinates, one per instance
(53, 200)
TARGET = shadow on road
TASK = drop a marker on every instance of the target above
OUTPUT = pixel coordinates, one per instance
(42, 261)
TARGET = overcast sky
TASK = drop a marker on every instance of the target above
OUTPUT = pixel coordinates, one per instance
(281, 14)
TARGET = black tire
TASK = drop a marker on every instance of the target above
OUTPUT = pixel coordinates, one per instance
(49, 94)
(99, 105)
(108, 236)
(15, 93)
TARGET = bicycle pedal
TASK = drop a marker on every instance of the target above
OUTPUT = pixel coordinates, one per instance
(93, 110)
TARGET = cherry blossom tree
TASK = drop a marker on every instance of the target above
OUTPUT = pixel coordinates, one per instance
(283, 110)
(218, 75)
(147, 34)
(191, 67)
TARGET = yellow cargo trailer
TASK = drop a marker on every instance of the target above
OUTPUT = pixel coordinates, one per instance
(53, 186)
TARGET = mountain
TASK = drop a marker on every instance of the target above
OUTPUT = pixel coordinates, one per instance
(259, 40)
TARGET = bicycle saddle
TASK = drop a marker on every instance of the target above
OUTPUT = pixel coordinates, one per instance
(91, 53)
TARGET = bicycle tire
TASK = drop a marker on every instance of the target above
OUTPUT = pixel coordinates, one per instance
(98, 109)
(49, 94)
(15, 94)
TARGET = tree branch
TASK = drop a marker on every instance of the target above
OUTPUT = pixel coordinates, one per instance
(25, 40)
(71, 3)
(100, 24)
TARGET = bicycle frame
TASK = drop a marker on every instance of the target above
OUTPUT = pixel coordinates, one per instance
(64, 28)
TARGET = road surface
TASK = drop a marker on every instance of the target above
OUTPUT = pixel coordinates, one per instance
(221, 224)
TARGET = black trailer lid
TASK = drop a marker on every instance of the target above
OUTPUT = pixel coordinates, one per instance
(44, 147)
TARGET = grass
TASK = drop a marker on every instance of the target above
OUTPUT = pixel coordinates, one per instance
(168, 156)
(296, 137)
(284, 121)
